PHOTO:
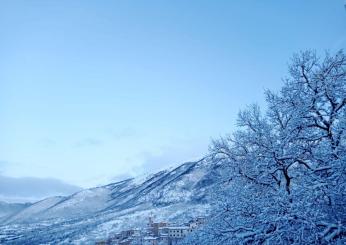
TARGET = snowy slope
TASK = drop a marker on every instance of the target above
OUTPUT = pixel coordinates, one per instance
(172, 195)
(9, 209)
(35, 209)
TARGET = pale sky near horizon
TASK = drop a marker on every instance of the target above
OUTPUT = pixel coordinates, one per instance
(96, 91)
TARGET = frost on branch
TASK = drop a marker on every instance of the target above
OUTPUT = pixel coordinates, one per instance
(286, 176)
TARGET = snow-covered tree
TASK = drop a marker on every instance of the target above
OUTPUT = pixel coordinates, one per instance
(286, 178)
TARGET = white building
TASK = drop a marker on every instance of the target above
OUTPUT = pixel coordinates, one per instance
(178, 231)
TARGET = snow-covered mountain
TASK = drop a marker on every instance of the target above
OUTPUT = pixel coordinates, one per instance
(174, 195)
(9, 209)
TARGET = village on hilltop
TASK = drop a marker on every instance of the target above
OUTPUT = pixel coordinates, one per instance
(156, 233)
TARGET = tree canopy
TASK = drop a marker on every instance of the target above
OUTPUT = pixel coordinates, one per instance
(285, 181)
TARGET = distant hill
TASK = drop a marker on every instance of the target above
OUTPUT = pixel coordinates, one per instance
(174, 195)
(9, 209)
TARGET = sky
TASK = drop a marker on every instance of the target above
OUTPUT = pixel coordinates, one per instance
(92, 92)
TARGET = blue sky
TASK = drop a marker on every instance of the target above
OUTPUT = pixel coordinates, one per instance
(95, 91)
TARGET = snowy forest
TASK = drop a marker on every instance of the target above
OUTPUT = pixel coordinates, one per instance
(285, 179)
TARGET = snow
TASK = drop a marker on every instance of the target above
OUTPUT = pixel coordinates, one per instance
(96, 213)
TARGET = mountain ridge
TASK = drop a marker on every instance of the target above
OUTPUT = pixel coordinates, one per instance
(173, 195)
